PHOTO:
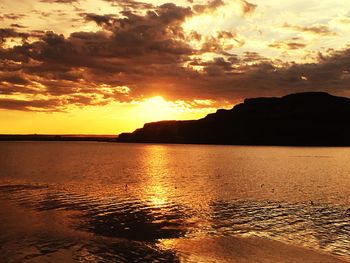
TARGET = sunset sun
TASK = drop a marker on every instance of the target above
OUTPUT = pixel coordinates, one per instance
(157, 108)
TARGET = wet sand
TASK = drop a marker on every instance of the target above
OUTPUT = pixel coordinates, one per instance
(247, 250)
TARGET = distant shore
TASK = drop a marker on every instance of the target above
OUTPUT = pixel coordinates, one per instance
(114, 139)
(58, 137)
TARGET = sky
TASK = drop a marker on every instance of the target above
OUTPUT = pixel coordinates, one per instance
(109, 66)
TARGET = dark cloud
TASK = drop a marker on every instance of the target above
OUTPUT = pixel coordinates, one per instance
(11, 33)
(150, 54)
(33, 105)
(18, 26)
(321, 30)
(12, 16)
(13, 78)
(99, 19)
(251, 76)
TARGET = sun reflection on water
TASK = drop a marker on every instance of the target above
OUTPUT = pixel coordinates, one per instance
(156, 162)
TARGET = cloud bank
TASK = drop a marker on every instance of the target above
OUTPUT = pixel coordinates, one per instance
(143, 50)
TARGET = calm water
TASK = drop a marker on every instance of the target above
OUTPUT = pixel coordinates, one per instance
(104, 202)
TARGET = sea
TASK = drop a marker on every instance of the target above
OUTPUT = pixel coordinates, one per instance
(120, 202)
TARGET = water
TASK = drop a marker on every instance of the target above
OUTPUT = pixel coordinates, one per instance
(105, 202)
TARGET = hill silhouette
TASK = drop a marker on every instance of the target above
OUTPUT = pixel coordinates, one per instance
(310, 119)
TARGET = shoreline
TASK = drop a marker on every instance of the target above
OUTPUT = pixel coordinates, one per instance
(111, 139)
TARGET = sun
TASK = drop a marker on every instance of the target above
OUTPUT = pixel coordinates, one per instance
(157, 108)
(156, 101)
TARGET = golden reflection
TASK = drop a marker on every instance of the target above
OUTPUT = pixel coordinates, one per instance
(169, 174)
(170, 184)
(156, 160)
(158, 199)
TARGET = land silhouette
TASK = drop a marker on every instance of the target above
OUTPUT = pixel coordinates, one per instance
(300, 119)
(54, 137)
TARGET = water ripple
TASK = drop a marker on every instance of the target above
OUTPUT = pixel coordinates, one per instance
(133, 226)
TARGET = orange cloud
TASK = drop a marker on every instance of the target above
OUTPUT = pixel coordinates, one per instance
(133, 55)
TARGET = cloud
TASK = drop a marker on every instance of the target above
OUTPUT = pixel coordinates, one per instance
(134, 55)
(12, 16)
(13, 78)
(209, 7)
(6, 33)
(131, 5)
(59, 1)
(287, 45)
(18, 26)
(122, 52)
(254, 76)
(247, 8)
(320, 30)
(33, 105)
(99, 19)
(345, 20)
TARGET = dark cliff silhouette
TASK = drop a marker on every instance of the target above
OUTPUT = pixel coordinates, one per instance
(310, 118)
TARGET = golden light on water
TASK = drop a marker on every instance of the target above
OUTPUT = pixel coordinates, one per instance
(156, 160)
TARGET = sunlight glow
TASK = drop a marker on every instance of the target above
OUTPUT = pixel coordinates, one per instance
(157, 108)
(113, 118)
(209, 23)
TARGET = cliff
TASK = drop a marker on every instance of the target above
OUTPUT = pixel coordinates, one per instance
(311, 118)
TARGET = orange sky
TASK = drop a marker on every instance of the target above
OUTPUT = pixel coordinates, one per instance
(113, 118)
(108, 66)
